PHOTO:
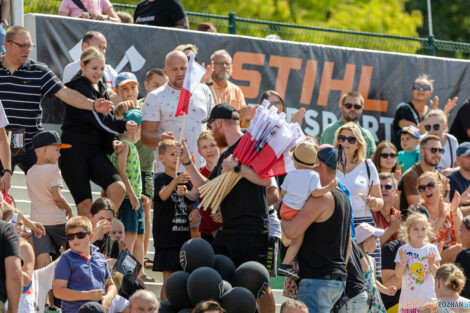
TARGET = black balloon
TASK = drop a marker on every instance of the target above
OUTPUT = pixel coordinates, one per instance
(204, 284)
(175, 290)
(185, 310)
(225, 266)
(238, 300)
(253, 276)
(196, 253)
(166, 307)
(227, 286)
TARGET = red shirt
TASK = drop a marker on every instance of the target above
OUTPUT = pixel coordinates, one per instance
(382, 223)
(207, 225)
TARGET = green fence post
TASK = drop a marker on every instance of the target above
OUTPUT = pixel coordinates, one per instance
(232, 23)
(432, 45)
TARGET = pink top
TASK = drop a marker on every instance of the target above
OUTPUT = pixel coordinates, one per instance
(93, 6)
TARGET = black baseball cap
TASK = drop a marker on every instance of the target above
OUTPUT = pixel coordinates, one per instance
(46, 138)
(223, 111)
(91, 307)
(415, 208)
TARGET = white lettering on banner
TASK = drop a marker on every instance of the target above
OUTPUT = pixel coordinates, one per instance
(311, 125)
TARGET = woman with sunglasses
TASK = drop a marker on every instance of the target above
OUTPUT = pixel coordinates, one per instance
(445, 217)
(435, 123)
(385, 159)
(360, 176)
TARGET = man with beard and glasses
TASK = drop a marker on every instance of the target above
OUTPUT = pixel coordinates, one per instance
(431, 151)
(159, 121)
(460, 180)
(223, 89)
(351, 107)
(244, 210)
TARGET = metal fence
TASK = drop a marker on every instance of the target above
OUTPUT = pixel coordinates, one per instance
(259, 28)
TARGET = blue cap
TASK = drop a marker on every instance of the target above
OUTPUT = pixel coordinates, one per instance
(134, 115)
(125, 77)
(328, 154)
(412, 130)
(463, 149)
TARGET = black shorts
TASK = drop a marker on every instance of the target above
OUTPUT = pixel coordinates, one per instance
(241, 248)
(272, 255)
(83, 163)
(167, 260)
(50, 243)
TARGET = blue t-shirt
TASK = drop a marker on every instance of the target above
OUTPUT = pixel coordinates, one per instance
(408, 159)
(457, 182)
(82, 274)
(345, 189)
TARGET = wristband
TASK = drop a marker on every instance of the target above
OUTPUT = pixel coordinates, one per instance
(186, 164)
(6, 170)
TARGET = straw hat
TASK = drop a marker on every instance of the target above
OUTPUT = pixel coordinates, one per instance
(305, 154)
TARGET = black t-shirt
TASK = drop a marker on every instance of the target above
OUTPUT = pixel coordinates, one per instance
(10, 246)
(389, 251)
(325, 244)
(108, 247)
(461, 123)
(403, 112)
(245, 209)
(463, 260)
(159, 13)
(457, 182)
(170, 217)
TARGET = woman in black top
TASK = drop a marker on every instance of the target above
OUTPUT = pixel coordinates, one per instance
(91, 135)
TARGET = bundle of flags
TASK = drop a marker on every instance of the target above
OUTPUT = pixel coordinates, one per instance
(266, 144)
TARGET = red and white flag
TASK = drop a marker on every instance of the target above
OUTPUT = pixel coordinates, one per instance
(194, 73)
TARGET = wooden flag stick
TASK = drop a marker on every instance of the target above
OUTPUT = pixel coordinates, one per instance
(181, 142)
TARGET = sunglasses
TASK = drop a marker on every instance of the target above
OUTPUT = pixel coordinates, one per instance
(386, 187)
(351, 139)
(388, 155)
(350, 105)
(79, 235)
(436, 150)
(429, 186)
(434, 126)
(417, 86)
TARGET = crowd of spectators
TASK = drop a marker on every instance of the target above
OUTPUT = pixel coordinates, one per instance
(383, 217)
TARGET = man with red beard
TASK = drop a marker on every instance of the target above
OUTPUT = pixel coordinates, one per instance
(244, 236)
(159, 121)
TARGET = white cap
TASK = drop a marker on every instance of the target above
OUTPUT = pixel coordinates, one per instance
(364, 231)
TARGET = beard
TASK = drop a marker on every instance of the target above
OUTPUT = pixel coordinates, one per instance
(430, 161)
(220, 139)
(223, 76)
(351, 117)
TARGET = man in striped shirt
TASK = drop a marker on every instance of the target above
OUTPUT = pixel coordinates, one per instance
(23, 82)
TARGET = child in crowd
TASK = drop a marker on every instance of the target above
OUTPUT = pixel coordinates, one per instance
(207, 148)
(127, 87)
(118, 232)
(409, 140)
(416, 263)
(48, 205)
(296, 188)
(101, 216)
(170, 218)
(131, 212)
(82, 274)
(366, 236)
(119, 303)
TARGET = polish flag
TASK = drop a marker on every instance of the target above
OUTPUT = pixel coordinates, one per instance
(194, 73)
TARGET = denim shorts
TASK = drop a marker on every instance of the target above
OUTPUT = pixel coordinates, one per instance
(358, 304)
(320, 295)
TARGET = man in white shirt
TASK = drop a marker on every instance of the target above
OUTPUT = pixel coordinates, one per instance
(5, 154)
(159, 121)
(97, 40)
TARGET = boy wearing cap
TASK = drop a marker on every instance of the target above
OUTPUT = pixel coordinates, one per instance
(296, 188)
(409, 139)
(131, 212)
(126, 86)
(48, 205)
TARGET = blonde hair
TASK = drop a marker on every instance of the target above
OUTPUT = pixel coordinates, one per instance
(412, 220)
(165, 144)
(360, 154)
(78, 222)
(117, 221)
(434, 176)
(117, 279)
(89, 54)
(452, 277)
(205, 135)
(187, 46)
